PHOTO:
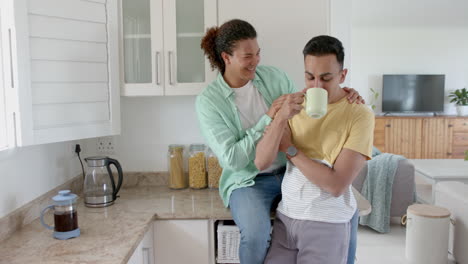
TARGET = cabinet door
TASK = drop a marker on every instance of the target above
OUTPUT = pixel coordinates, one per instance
(6, 98)
(185, 22)
(142, 47)
(437, 138)
(460, 138)
(144, 253)
(64, 59)
(379, 134)
(182, 241)
(403, 136)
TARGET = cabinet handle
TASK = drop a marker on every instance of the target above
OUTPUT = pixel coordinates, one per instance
(171, 82)
(450, 125)
(388, 125)
(158, 80)
(449, 153)
(12, 80)
(146, 256)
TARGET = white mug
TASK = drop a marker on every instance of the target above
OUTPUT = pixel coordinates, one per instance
(316, 102)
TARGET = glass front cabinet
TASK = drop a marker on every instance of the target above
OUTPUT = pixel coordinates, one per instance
(160, 46)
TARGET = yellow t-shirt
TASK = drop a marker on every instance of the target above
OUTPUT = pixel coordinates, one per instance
(345, 125)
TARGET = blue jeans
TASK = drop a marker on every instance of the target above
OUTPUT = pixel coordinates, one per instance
(250, 209)
(353, 238)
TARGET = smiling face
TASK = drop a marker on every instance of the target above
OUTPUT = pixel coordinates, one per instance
(241, 65)
(325, 72)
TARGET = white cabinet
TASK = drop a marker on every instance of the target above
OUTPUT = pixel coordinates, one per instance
(6, 115)
(160, 46)
(64, 69)
(183, 241)
(144, 253)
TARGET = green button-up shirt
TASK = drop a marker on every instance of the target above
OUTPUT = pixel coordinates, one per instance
(221, 126)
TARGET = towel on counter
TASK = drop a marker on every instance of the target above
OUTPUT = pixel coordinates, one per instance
(377, 189)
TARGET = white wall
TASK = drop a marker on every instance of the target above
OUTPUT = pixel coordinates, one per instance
(28, 172)
(340, 28)
(408, 37)
(149, 125)
(283, 28)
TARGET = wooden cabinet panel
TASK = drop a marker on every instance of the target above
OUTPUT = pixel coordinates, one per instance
(441, 137)
(379, 134)
(458, 152)
(437, 138)
(380, 125)
(379, 141)
(460, 145)
(460, 125)
(403, 137)
(460, 139)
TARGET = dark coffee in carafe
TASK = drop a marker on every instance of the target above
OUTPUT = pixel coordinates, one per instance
(66, 222)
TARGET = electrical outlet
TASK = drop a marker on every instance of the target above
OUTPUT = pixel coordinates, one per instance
(105, 145)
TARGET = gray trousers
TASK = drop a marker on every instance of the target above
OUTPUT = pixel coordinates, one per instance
(308, 242)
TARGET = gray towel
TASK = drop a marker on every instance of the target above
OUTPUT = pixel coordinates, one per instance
(377, 189)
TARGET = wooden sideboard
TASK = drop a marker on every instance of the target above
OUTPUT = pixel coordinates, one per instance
(441, 137)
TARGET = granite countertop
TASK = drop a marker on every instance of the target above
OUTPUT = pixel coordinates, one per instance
(111, 234)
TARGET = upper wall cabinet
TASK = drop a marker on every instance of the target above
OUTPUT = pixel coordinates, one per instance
(160, 51)
(64, 69)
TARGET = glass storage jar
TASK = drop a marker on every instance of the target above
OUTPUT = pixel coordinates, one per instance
(197, 167)
(177, 177)
(213, 168)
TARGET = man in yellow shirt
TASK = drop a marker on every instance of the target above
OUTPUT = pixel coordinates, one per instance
(325, 155)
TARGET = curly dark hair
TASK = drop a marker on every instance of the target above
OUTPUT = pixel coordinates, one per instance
(224, 39)
(325, 45)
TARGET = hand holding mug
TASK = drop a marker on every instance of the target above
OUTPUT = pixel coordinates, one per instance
(291, 106)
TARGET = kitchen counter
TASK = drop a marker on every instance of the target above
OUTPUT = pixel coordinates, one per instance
(111, 234)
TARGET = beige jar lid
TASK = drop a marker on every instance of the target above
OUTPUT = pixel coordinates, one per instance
(430, 211)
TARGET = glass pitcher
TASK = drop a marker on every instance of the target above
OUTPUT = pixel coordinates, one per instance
(99, 187)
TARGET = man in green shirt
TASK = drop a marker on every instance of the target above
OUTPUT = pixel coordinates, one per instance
(233, 112)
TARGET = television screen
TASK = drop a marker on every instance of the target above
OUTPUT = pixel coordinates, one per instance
(413, 93)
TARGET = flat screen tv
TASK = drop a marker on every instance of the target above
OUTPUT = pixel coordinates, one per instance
(413, 92)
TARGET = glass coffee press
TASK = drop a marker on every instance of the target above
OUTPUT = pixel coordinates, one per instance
(65, 215)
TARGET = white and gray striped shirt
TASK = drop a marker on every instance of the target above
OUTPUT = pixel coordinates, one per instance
(304, 200)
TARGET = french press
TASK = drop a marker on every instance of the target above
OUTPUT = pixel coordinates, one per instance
(65, 215)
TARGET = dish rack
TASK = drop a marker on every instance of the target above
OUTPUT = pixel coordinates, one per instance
(228, 236)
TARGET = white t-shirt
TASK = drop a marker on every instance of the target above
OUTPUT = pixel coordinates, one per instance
(303, 200)
(251, 107)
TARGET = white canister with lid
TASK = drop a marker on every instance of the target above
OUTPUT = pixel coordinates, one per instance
(427, 234)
